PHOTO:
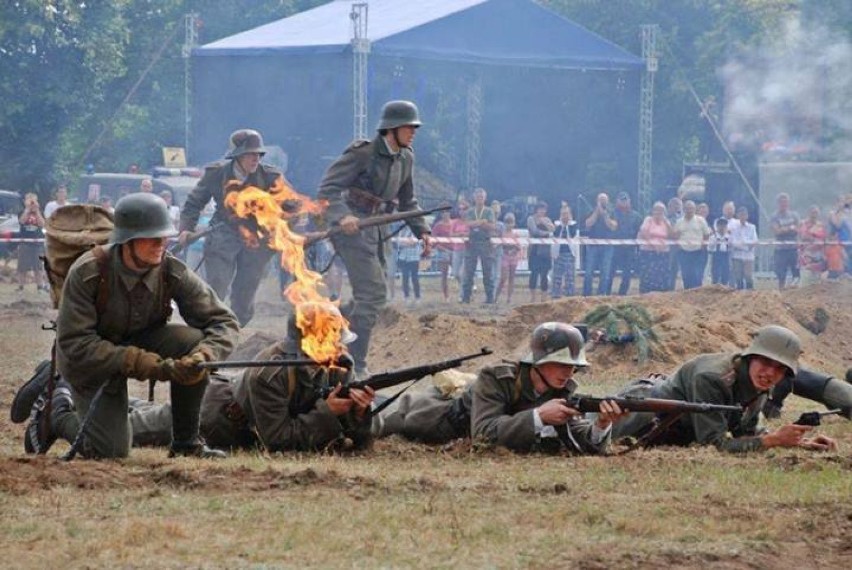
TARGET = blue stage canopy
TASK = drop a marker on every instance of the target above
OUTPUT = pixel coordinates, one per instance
(494, 32)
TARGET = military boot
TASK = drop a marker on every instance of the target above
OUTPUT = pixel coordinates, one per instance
(186, 419)
(27, 394)
(40, 434)
(197, 449)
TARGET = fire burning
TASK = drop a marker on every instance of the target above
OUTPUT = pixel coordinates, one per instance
(321, 330)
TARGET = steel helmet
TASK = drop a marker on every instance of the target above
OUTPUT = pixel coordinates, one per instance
(776, 343)
(399, 114)
(244, 141)
(557, 342)
(141, 215)
(312, 311)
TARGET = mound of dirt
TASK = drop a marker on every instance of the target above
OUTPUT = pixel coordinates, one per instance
(687, 323)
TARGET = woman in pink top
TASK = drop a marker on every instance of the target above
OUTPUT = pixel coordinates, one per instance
(460, 230)
(812, 234)
(443, 228)
(654, 254)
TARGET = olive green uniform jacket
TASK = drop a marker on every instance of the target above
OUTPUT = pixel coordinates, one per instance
(713, 379)
(282, 407)
(502, 413)
(91, 347)
(371, 167)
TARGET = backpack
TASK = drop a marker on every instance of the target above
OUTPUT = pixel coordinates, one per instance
(69, 233)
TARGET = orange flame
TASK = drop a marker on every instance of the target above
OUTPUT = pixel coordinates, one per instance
(321, 331)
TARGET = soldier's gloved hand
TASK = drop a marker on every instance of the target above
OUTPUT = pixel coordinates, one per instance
(141, 364)
(186, 371)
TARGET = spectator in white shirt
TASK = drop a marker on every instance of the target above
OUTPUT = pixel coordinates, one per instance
(743, 241)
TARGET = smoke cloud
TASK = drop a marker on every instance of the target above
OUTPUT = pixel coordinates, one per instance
(791, 96)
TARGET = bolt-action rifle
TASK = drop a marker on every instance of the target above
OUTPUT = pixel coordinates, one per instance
(375, 381)
(672, 411)
(588, 404)
(395, 377)
(381, 220)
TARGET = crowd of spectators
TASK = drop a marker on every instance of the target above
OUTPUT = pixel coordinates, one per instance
(676, 239)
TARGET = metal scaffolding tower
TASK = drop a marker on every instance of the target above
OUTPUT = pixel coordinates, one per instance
(474, 125)
(646, 115)
(360, 55)
(191, 25)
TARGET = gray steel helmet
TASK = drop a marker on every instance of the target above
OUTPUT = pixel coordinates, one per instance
(141, 215)
(557, 342)
(776, 343)
(244, 141)
(399, 114)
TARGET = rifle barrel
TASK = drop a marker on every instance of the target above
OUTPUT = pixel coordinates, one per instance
(259, 363)
(396, 377)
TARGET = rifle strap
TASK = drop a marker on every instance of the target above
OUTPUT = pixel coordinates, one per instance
(291, 382)
(381, 407)
(661, 427)
(102, 298)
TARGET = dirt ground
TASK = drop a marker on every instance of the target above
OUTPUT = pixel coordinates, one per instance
(407, 505)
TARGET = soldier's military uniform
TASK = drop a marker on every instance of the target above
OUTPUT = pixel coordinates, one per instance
(428, 416)
(502, 413)
(710, 378)
(278, 408)
(499, 407)
(813, 385)
(96, 344)
(229, 263)
(366, 180)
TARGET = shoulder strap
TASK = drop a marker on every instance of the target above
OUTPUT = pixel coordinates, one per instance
(291, 382)
(102, 258)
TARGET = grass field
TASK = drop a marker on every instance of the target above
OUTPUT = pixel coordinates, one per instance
(411, 506)
(403, 505)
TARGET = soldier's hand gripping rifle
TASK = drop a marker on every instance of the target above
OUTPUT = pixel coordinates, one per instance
(193, 237)
(381, 220)
(815, 418)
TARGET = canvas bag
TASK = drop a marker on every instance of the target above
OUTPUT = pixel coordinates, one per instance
(69, 233)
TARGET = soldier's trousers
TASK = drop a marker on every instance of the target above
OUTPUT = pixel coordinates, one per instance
(230, 265)
(427, 416)
(363, 256)
(109, 432)
(152, 422)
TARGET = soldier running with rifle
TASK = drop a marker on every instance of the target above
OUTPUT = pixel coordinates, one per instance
(229, 263)
(372, 177)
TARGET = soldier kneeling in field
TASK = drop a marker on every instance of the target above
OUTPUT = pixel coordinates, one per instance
(278, 408)
(744, 379)
(518, 405)
(113, 325)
